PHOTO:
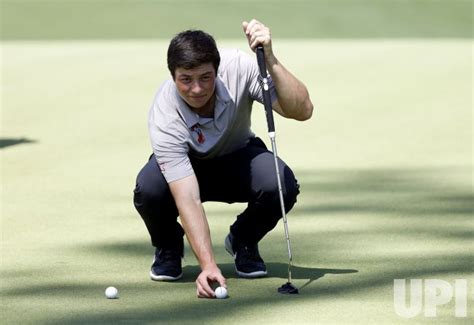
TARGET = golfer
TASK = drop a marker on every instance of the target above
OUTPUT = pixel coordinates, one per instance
(204, 150)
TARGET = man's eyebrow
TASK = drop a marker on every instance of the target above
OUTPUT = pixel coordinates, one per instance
(190, 75)
(205, 74)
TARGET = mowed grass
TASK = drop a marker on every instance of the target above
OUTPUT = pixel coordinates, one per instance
(385, 167)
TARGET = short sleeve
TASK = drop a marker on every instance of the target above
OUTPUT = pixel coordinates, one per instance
(249, 68)
(169, 144)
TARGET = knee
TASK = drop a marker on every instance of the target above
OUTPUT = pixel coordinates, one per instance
(268, 194)
(141, 196)
(292, 189)
(148, 194)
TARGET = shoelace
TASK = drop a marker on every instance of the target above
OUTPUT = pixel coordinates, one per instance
(251, 253)
(168, 254)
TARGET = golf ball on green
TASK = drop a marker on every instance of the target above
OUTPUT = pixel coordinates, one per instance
(221, 292)
(111, 293)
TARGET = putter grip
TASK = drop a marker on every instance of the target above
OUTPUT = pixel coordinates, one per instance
(267, 101)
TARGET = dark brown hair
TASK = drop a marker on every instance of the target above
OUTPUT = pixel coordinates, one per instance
(190, 49)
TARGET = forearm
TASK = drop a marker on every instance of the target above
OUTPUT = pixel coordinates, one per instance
(293, 96)
(197, 231)
(193, 219)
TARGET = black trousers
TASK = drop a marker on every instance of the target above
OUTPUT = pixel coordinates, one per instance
(246, 175)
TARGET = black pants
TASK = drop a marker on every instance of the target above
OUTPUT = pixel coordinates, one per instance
(246, 175)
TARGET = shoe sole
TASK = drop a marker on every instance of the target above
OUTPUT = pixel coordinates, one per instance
(251, 275)
(165, 278)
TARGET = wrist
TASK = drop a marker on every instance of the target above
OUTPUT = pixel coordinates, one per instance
(271, 62)
(207, 263)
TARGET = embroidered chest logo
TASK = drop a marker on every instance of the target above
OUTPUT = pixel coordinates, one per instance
(197, 130)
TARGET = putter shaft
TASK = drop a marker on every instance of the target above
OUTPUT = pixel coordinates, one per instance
(282, 204)
(271, 133)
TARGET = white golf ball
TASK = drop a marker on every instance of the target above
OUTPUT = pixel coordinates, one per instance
(221, 292)
(111, 293)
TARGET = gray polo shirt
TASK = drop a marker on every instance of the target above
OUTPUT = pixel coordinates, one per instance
(176, 132)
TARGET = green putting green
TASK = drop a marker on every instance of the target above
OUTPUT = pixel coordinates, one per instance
(384, 167)
(385, 164)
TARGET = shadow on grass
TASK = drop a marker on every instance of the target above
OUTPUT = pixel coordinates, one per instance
(413, 214)
(275, 270)
(384, 191)
(7, 142)
(409, 191)
(190, 272)
(174, 302)
(132, 250)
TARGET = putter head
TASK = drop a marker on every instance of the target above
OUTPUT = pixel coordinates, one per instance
(288, 288)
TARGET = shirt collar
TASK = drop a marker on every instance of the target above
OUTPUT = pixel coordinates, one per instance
(222, 98)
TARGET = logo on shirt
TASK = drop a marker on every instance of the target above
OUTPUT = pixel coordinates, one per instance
(200, 136)
(162, 167)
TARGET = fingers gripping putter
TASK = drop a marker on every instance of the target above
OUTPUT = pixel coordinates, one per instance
(287, 288)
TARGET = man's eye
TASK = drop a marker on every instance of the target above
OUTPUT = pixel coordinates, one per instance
(186, 80)
(205, 78)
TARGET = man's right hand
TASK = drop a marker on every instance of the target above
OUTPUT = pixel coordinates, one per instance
(193, 218)
(207, 277)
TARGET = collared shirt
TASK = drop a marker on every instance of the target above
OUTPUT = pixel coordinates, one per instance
(176, 132)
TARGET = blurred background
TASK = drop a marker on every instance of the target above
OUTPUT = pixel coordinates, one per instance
(161, 19)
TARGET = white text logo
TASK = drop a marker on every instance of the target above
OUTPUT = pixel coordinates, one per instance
(433, 293)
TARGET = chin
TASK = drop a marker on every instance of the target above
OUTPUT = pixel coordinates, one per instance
(198, 104)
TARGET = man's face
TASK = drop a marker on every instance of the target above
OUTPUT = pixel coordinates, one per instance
(196, 86)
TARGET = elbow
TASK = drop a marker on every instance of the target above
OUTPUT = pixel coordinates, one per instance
(306, 111)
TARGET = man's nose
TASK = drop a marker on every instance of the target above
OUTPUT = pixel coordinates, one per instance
(196, 87)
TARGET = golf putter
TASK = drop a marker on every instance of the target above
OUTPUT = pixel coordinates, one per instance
(286, 288)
